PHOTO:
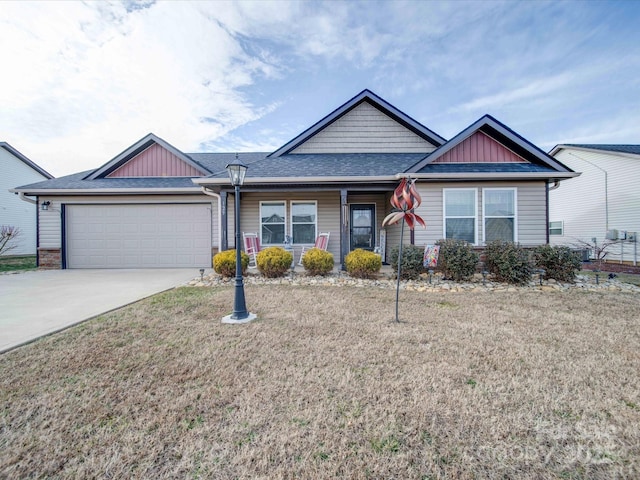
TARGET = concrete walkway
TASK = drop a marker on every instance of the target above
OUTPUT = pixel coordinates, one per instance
(37, 303)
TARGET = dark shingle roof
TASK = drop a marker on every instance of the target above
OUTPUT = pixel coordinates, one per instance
(484, 168)
(331, 165)
(77, 182)
(635, 149)
(216, 162)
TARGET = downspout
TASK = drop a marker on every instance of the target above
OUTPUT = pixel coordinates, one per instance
(219, 202)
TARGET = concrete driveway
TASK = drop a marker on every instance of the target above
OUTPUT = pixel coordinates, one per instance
(37, 303)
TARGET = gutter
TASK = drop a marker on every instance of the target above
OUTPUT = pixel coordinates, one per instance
(262, 180)
(22, 197)
(103, 191)
(488, 176)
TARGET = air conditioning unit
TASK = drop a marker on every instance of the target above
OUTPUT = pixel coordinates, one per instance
(612, 235)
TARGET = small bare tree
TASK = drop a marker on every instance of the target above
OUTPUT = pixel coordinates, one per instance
(599, 249)
(8, 238)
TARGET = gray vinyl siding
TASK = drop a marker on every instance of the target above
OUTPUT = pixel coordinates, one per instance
(51, 220)
(365, 129)
(328, 215)
(581, 203)
(531, 211)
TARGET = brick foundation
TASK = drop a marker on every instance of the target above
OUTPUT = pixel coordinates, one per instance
(50, 258)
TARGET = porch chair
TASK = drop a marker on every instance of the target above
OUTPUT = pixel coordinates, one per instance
(322, 242)
(251, 247)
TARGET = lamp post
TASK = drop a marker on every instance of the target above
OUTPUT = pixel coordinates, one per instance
(237, 171)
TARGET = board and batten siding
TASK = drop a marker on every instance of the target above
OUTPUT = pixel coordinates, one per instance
(531, 212)
(365, 129)
(14, 211)
(51, 219)
(581, 203)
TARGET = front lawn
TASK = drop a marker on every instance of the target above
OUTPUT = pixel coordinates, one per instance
(471, 385)
(10, 264)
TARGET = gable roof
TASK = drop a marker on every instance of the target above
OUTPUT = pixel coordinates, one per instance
(627, 149)
(25, 160)
(504, 136)
(377, 102)
(137, 148)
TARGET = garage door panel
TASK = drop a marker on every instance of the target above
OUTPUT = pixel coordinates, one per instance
(138, 236)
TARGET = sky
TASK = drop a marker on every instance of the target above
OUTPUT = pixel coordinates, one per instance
(82, 81)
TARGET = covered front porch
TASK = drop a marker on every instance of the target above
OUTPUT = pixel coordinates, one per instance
(352, 215)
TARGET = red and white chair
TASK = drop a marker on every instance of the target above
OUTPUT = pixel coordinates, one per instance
(322, 242)
(251, 247)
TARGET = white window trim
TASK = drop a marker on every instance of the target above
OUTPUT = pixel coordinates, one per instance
(291, 202)
(515, 213)
(561, 234)
(262, 202)
(475, 212)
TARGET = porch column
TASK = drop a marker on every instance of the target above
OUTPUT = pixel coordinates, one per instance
(344, 227)
(223, 222)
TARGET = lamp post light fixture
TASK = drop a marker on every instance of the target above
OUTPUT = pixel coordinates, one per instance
(430, 275)
(237, 171)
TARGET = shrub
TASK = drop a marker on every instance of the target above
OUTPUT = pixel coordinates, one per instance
(457, 260)
(508, 262)
(559, 263)
(362, 263)
(224, 263)
(412, 262)
(317, 262)
(274, 262)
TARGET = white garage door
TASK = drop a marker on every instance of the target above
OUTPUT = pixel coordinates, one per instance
(138, 236)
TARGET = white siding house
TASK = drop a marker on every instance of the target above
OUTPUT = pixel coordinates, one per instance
(15, 170)
(605, 198)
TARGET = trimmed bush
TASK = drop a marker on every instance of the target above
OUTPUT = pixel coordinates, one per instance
(559, 263)
(508, 262)
(362, 263)
(274, 262)
(412, 262)
(317, 262)
(457, 259)
(224, 263)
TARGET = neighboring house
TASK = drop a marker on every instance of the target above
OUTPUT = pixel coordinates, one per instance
(155, 206)
(603, 202)
(16, 169)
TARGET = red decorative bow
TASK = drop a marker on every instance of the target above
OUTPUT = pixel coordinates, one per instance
(404, 200)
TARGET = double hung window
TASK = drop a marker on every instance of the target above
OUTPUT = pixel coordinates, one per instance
(460, 214)
(499, 205)
(302, 216)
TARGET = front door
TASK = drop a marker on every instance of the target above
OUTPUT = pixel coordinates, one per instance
(363, 226)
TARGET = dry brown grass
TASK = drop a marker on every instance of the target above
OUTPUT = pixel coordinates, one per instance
(324, 385)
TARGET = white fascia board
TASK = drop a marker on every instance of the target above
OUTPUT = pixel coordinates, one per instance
(263, 180)
(106, 191)
(487, 176)
(557, 148)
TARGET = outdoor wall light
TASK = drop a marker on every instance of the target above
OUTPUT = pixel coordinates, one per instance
(45, 205)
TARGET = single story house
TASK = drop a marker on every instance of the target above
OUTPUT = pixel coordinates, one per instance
(155, 206)
(603, 204)
(17, 169)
